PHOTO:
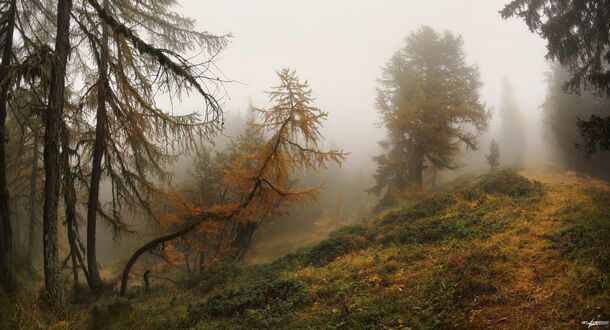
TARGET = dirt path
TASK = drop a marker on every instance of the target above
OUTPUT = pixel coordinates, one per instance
(530, 300)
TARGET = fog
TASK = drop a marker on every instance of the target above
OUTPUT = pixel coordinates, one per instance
(340, 47)
(304, 164)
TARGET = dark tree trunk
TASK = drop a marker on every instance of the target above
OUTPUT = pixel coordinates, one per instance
(415, 168)
(53, 124)
(6, 233)
(148, 246)
(187, 228)
(243, 238)
(32, 199)
(95, 281)
(201, 263)
(70, 204)
(146, 281)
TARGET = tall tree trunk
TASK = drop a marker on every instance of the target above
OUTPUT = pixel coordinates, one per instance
(32, 199)
(70, 204)
(53, 124)
(95, 281)
(6, 234)
(415, 168)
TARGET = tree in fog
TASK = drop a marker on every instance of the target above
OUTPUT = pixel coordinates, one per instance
(8, 12)
(206, 187)
(493, 158)
(52, 138)
(262, 178)
(23, 165)
(512, 139)
(429, 101)
(562, 111)
(577, 34)
(133, 139)
(24, 79)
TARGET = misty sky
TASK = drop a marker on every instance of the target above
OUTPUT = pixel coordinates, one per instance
(339, 46)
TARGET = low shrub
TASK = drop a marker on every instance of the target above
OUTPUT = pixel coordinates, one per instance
(333, 248)
(212, 277)
(429, 206)
(261, 302)
(106, 312)
(505, 182)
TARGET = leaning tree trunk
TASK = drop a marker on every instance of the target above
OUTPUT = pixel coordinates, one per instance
(95, 281)
(53, 124)
(32, 199)
(243, 238)
(149, 246)
(6, 233)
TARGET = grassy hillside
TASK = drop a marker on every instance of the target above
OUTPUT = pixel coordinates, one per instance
(505, 250)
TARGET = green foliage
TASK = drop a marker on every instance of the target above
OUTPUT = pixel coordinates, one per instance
(106, 312)
(474, 272)
(596, 134)
(506, 182)
(577, 38)
(493, 158)
(576, 34)
(443, 261)
(214, 276)
(461, 225)
(445, 216)
(427, 89)
(334, 247)
(584, 236)
(564, 113)
(260, 302)
(430, 205)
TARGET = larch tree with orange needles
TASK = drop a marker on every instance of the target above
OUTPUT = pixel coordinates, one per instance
(292, 125)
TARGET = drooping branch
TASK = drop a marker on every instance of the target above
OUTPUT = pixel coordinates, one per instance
(182, 69)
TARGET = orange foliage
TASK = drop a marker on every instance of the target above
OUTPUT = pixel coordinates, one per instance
(259, 178)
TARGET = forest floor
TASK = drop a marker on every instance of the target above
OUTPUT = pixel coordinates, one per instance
(507, 250)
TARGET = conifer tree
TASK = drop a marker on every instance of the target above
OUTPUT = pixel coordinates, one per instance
(23, 148)
(493, 158)
(8, 12)
(262, 178)
(133, 139)
(577, 38)
(512, 138)
(562, 112)
(52, 138)
(429, 102)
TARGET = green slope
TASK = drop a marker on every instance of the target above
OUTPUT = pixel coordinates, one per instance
(506, 250)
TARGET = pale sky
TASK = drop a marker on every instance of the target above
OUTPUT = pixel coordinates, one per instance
(339, 46)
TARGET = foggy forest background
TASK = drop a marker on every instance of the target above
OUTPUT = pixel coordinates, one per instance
(168, 139)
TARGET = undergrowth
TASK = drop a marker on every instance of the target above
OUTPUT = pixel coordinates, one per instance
(494, 252)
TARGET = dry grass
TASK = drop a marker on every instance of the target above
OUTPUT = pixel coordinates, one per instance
(463, 259)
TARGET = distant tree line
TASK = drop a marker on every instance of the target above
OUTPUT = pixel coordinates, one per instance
(578, 38)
